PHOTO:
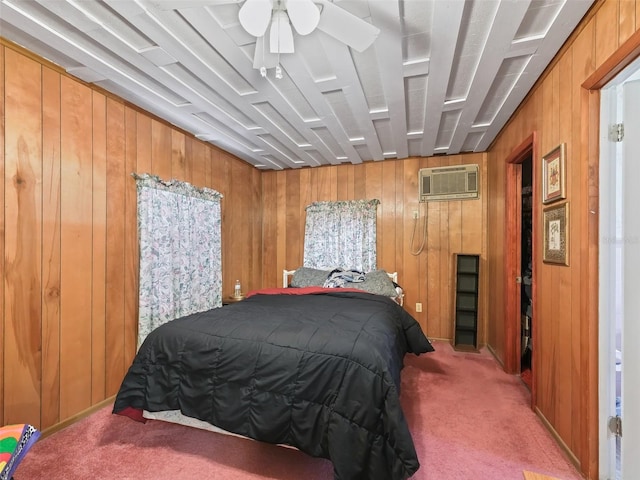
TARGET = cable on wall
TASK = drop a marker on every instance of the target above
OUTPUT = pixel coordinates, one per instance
(413, 234)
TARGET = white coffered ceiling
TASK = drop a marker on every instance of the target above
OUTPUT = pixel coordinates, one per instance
(442, 77)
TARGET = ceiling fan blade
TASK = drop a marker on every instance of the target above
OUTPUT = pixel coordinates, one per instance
(262, 57)
(255, 16)
(281, 35)
(304, 15)
(179, 4)
(346, 27)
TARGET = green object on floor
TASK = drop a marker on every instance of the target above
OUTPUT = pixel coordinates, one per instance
(15, 442)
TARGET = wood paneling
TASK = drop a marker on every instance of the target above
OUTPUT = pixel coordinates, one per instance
(68, 233)
(614, 64)
(269, 229)
(411, 266)
(387, 216)
(292, 218)
(2, 222)
(586, 431)
(114, 269)
(143, 144)
(567, 308)
(99, 263)
(130, 271)
(178, 163)
(565, 321)
(23, 238)
(627, 20)
(51, 265)
(452, 226)
(161, 150)
(607, 30)
(75, 246)
(67, 325)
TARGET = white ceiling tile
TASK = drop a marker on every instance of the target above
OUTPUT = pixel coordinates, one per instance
(505, 80)
(539, 18)
(330, 143)
(416, 98)
(441, 77)
(448, 122)
(280, 122)
(157, 56)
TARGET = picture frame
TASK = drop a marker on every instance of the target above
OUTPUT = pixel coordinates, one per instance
(553, 175)
(556, 234)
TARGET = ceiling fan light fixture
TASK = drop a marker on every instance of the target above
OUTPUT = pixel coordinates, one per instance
(281, 34)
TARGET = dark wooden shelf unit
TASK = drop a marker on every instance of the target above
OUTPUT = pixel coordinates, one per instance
(467, 276)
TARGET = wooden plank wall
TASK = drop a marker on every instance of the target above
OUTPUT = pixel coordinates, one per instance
(557, 109)
(68, 238)
(67, 230)
(452, 227)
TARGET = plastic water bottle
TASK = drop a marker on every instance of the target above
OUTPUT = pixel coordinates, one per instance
(237, 291)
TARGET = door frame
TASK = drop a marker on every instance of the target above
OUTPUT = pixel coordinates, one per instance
(610, 269)
(512, 268)
(590, 111)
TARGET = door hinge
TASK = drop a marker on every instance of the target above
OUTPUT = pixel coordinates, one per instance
(616, 132)
(615, 426)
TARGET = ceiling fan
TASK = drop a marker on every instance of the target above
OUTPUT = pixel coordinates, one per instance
(305, 16)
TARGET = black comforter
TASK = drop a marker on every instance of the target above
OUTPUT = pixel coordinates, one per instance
(320, 372)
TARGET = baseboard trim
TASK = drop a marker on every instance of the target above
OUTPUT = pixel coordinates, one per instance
(493, 353)
(558, 439)
(77, 417)
(437, 339)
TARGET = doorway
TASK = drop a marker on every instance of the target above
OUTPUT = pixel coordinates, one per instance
(520, 236)
(619, 258)
(526, 270)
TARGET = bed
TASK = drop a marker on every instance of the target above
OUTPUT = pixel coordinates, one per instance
(310, 367)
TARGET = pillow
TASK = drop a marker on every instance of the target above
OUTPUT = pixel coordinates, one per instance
(378, 282)
(309, 277)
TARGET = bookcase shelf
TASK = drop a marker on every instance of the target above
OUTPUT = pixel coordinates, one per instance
(465, 328)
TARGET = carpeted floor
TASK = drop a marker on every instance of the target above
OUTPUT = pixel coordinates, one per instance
(468, 418)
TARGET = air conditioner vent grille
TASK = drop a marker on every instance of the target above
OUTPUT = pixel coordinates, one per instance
(448, 183)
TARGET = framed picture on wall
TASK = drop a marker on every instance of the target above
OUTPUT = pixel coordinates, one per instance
(556, 234)
(553, 175)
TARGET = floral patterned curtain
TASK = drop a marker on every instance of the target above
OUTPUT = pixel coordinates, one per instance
(341, 234)
(179, 230)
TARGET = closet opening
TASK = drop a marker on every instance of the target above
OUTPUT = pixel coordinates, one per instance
(521, 208)
(526, 269)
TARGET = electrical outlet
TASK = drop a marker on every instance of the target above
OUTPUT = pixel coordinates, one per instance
(418, 307)
(415, 214)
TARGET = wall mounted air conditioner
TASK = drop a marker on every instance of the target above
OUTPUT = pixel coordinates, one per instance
(458, 182)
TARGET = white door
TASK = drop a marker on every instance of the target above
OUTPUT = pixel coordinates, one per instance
(619, 358)
(631, 279)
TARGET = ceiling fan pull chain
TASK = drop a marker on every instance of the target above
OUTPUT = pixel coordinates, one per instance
(278, 68)
(263, 69)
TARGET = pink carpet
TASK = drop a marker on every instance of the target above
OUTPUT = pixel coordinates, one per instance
(469, 420)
